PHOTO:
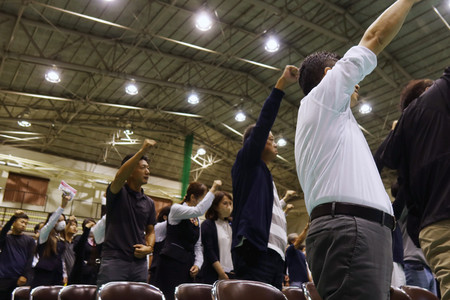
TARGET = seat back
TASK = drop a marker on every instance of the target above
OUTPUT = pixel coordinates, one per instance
(418, 293)
(78, 292)
(193, 291)
(45, 292)
(398, 294)
(309, 289)
(294, 293)
(120, 290)
(245, 289)
(21, 293)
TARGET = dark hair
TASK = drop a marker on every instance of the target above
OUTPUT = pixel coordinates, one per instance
(127, 158)
(38, 226)
(412, 90)
(85, 221)
(21, 216)
(51, 244)
(247, 132)
(195, 188)
(212, 213)
(163, 212)
(312, 68)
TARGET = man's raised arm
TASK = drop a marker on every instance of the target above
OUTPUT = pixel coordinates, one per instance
(127, 168)
(386, 26)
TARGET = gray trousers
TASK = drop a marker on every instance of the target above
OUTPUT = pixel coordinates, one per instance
(350, 258)
(113, 269)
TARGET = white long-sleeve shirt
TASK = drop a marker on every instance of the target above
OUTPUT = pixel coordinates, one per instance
(179, 212)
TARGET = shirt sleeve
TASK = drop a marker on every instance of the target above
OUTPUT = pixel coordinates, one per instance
(198, 252)
(181, 212)
(338, 84)
(5, 230)
(98, 230)
(255, 143)
(160, 231)
(27, 273)
(208, 241)
(45, 231)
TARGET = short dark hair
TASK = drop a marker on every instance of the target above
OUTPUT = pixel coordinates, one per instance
(38, 226)
(211, 213)
(163, 212)
(127, 158)
(311, 69)
(85, 221)
(412, 90)
(21, 216)
(247, 132)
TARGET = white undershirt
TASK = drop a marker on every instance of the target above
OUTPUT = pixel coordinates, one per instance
(224, 235)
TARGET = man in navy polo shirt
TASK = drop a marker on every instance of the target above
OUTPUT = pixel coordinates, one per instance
(130, 235)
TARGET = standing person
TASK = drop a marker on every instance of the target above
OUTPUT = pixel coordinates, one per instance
(419, 148)
(87, 256)
(69, 254)
(160, 238)
(50, 248)
(296, 259)
(259, 223)
(344, 194)
(216, 239)
(182, 257)
(131, 215)
(16, 255)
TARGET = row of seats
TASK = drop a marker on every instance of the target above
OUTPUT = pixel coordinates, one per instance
(221, 290)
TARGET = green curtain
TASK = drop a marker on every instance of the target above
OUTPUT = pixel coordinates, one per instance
(188, 142)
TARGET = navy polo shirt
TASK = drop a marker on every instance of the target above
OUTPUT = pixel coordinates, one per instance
(128, 215)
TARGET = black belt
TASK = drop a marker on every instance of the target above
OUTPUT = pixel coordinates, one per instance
(364, 212)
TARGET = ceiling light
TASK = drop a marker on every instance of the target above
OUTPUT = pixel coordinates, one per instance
(131, 88)
(272, 45)
(281, 142)
(240, 116)
(203, 21)
(52, 76)
(128, 132)
(365, 108)
(201, 151)
(23, 123)
(193, 98)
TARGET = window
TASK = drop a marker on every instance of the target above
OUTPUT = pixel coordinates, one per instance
(26, 189)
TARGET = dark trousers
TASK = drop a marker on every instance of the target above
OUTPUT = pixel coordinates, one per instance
(170, 273)
(113, 269)
(7, 286)
(251, 264)
(349, 258)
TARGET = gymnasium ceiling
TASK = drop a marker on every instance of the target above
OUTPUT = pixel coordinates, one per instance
(99, 46)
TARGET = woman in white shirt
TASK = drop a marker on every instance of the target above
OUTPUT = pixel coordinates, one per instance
(181, 257)
(216, 240)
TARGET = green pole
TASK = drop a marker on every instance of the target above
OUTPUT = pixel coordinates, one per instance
(188, 142)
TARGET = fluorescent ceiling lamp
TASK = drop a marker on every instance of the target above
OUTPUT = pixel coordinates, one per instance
(281, 142)
(365, 108)
(201, 151)
(52, 76)
(23, 123)
(131, 88)
(203, 22)
(240, 116)
(232, 129)
(193, 99)
(272, 45)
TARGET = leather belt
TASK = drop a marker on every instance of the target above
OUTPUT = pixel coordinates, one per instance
(364, 212)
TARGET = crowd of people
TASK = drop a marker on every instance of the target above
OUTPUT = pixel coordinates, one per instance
(353, 249)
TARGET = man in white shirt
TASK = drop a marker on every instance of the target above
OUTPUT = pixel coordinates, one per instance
(344, 195)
